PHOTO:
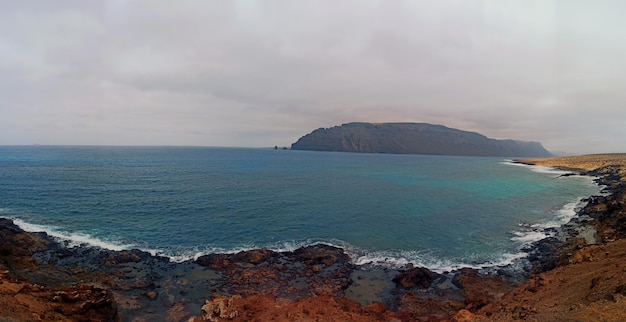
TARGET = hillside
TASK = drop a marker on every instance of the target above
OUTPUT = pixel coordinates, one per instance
(413, 138)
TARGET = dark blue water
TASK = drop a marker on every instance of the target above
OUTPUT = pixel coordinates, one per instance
(437, 211)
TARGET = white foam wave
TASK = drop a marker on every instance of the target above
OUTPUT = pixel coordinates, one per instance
(387, 258)
(529, 234)
(72, 239)
(438, 265)
(541, 230)
(569, 211)
(398, 259)
(182, 255)
(538, 168)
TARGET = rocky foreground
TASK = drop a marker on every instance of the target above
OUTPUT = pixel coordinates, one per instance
(567, 279)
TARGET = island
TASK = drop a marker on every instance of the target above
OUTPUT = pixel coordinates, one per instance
(413, 138)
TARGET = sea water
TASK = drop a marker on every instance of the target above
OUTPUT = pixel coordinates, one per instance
(442, 212)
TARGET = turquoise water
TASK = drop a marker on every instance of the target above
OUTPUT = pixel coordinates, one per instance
(182, 202)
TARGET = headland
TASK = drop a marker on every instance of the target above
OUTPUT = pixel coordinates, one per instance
(568, 278)
(413, 138)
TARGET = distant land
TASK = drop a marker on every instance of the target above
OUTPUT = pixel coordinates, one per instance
(413, 138)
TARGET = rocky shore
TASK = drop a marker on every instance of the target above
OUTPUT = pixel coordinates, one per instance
(42, 279)
(571, 278)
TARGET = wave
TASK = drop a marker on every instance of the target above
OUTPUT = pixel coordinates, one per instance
(405, 258)
(71, 239)
(530, 233)
(394, 259)
(539, 168)
(387, 258)
(593, 180)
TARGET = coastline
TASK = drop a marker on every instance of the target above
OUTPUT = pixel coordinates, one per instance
(135, 285)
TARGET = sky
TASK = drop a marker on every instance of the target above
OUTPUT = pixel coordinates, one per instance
(264, 73)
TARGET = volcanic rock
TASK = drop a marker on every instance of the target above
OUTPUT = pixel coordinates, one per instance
(311, 270)
(415, 277)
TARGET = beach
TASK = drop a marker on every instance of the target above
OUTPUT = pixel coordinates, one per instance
(575, 278)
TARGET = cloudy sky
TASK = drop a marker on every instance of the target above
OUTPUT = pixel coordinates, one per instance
(264, 73)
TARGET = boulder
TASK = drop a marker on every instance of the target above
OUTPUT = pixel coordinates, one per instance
(420, 277)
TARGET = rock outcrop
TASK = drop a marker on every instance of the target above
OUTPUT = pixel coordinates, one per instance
(22, 300)
(415, 276)
(413, 138)
(307, 271)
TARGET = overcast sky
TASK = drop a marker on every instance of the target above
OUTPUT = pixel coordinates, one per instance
(264, 73)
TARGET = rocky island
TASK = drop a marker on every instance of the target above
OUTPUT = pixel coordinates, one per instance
(570, 278)
(413, 138)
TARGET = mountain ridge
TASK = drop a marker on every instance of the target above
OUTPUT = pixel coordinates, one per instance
(413, 138)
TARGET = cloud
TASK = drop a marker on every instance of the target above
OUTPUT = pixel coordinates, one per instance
(252, 73)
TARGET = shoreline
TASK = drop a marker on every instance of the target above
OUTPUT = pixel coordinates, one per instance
(136, 285)
(360, 257)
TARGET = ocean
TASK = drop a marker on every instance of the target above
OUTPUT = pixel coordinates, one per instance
(441, 212)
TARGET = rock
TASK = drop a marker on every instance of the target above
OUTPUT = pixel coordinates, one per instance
(317, 269)
(33, 302)
(126, 256)
(437, 308)
(321, 254)
(18, 246)
(177, 312)
(479, 290)
(220, 308)
(316, 308)
(152, 295)
(254, 256)
(464, 316)
(415, 277)
(215, 261)
(545, 255)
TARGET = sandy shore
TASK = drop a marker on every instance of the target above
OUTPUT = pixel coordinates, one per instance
(587, 163)
(42, 280)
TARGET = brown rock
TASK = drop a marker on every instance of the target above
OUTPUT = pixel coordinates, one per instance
(429, 309)
(178, 312)
(17, 246)
(34, 303)
(321, 254)
(586, 290)
(415, 277)
(152, 295)
(478, 290)
(316, 308)
(220, 308)
(215, 261)
(464, 316)
(255, 256)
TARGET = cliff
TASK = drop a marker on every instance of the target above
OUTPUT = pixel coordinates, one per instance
(413, 138)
